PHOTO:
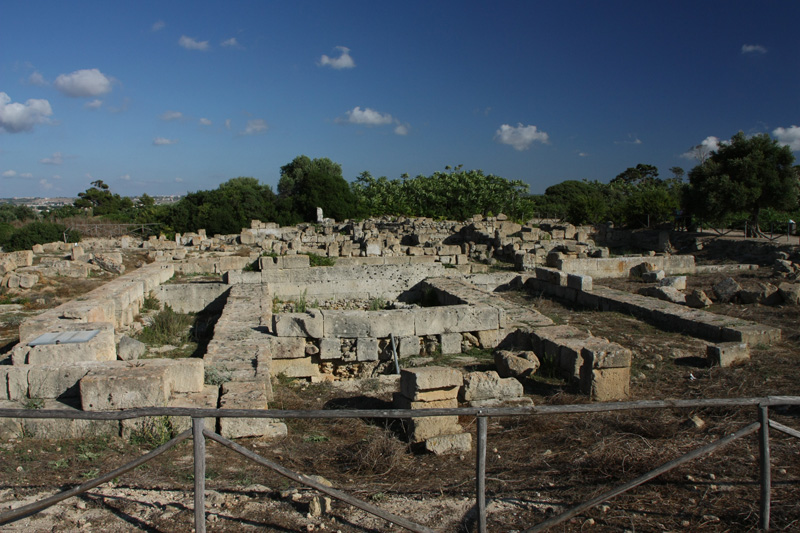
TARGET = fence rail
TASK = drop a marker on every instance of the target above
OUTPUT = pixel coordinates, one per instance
(198, 434)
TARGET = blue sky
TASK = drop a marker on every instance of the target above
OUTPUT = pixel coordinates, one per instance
(170, 97)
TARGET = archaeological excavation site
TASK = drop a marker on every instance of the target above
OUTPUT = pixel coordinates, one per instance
(560, 362)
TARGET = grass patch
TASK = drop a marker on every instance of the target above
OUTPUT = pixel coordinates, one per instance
(377, 304)
(151, 303)
(168, 327)
(152, 432)
(33, 403)
(217, 376)
(316, 260)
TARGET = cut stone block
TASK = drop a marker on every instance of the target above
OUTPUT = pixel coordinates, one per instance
(489, 339)
(247, 395)
(183, 375)
(400, 401)
(348, 324)
(130, 349)
(726, 290)
(449, 444)
(606, 384)
(606, 355)
(408, 346)
(308, 324)
(100, 348)
(208, 398)
(65, 428)
(450, 343)
(45, 381)
(489, 385)
(676, 282)
(295, 368)
(330, 348)
(415, 380)
(367, 349)
(285, 347)
(515, 364)
(727, 353)
(425, 427)
(112, 389)
(654, 276)
(14, 382)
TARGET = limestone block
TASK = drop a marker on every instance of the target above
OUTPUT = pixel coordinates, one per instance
(330, 349)
(726, 290)
(676, 282)
(183, 375)
(606, 384)
(400, 401)
(65, 428)
(449, 444)
(309, 324)
(208, 398)
(606, 355)
(367, 349)
(436, 320)
(489, 339)
(653, 277)
(14, 382)
(751, 333)
(10, 428)
(476, 318)
(347, 324)
(790, 293)
(727, 353)
(515, 364)
(697, 299)
(489, 385)
(552, 276)
(110, 262)
(450, 343)
(124, 388)
(399, 322)
(46, 381)
(579, 282)
(100, 348)
(247, 395)
(425, 427)
(26, 281)
(414, 380)
(285, 347)
(295, 368)
(408, 346)
(130, 349)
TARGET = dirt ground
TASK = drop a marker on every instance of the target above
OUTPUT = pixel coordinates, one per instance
(536, 466)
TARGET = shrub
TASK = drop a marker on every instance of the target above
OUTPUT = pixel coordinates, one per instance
(168, 327)
(315, 260)
(39, 233)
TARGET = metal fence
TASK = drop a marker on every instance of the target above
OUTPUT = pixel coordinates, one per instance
(199, 434)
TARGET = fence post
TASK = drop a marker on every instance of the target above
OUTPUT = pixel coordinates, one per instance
(199, 475)
(480, 474)
(763, 456)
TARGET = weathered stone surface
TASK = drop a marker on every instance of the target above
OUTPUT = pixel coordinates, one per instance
(183, 375)
(726, 290)
(450, 343)
(295, 368)
(697, 299)
(309, 324)
(606, 384)
(61, 381)
(130, 349)
(414, 380)
(27, 281)
(515, 364)
(99, 348)
(489, 385)
(64, 428)
(247, 395)
(676, 282)
(654, 276)
(14, 382)
(408, 346)
(606, 355)
(425, 427)
(640, 269)
(285, 347)
(367, 349)
(450, 393)
(790, 292)
(726, 354)
(110, 262)
(109, 389)
(449, 444)
(400, 401)
(208, 398)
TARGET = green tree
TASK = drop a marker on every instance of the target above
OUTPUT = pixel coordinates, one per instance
(39, 233)
(748, 174)
(101, 200)
(306, 184)
(637, 175)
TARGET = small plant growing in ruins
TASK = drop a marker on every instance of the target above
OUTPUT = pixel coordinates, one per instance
(33, 403)
(59, 464)
(316, 260)
(316, 438)
(376, 304)
(251, 267)
(91, 474)
(217, 376)
(277, 304)
(168, 327)
(151, 303)
(152, 432)
(301, 304)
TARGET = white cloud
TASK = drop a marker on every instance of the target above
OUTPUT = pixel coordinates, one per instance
(36, 78)
(44, 184)
(26, 175)
(520, 137)
(583, 154)
(158, 25)
(56, 159)
(171, 115)
(9, 173)
(204, 122)
(753, 49)
(94, 104)
(227, 123)
(83, 83)
(401, 129)
(178, 180)
(254, 127)
(701, 151)
(56, 176)
(367, 117)
(632, 139)
(343, 61)
(163, 141)
(192, 44)
(125, 177)
(16, 117)
(230, 43)
(788, 137)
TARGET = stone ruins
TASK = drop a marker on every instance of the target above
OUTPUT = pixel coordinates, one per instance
(433, 293)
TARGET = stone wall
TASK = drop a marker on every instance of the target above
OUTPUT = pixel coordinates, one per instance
(620, 267)
(193, 297)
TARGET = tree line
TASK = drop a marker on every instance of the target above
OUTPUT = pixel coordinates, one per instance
(752, 179)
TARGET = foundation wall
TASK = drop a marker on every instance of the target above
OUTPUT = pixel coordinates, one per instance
(620, 267)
